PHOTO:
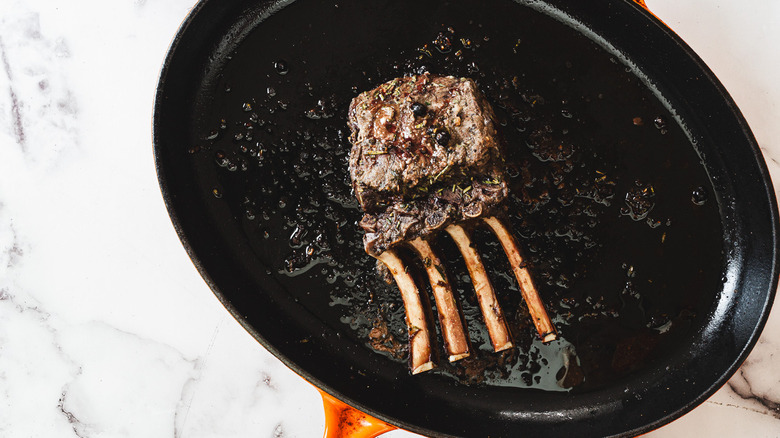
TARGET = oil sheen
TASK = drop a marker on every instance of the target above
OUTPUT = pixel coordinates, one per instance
(608, 197)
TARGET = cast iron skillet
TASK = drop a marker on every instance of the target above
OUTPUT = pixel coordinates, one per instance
(243, 274)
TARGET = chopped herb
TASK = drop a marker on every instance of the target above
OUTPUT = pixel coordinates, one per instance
(425, 51)
(438, 175)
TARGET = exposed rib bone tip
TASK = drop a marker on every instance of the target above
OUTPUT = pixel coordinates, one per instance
(486, 297)
(455, 337)
(419, 335)
(535, 305)
(457, 357)
(427, 366)
(506, 346)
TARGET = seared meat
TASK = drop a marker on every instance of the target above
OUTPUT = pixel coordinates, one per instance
(425, 153)
(425, 156)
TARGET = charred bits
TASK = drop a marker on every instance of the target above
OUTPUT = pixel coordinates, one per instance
(442, 137)
(419, 109)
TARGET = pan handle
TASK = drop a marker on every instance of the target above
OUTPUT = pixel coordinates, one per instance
(344, 421)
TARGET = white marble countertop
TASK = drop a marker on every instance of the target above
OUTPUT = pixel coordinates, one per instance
(106, 328)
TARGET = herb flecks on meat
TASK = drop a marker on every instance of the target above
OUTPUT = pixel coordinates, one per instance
(425, 153)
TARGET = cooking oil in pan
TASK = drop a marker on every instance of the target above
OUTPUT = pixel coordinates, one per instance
(608, 197)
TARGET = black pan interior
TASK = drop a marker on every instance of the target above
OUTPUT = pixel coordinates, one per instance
(669, 202)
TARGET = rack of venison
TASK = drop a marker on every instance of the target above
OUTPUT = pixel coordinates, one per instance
(426, 158)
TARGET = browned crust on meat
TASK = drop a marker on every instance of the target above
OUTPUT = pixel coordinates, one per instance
(409, 182)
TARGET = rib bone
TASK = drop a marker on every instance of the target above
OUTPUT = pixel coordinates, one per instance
(486, 296)
(453, 332)
(535, 306)
(419, 335)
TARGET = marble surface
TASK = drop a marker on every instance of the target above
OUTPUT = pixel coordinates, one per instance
(106, 328)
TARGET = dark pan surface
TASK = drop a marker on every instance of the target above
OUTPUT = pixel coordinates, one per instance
(638, 193)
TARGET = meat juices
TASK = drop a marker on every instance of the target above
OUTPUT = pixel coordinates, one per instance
(425, 154)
